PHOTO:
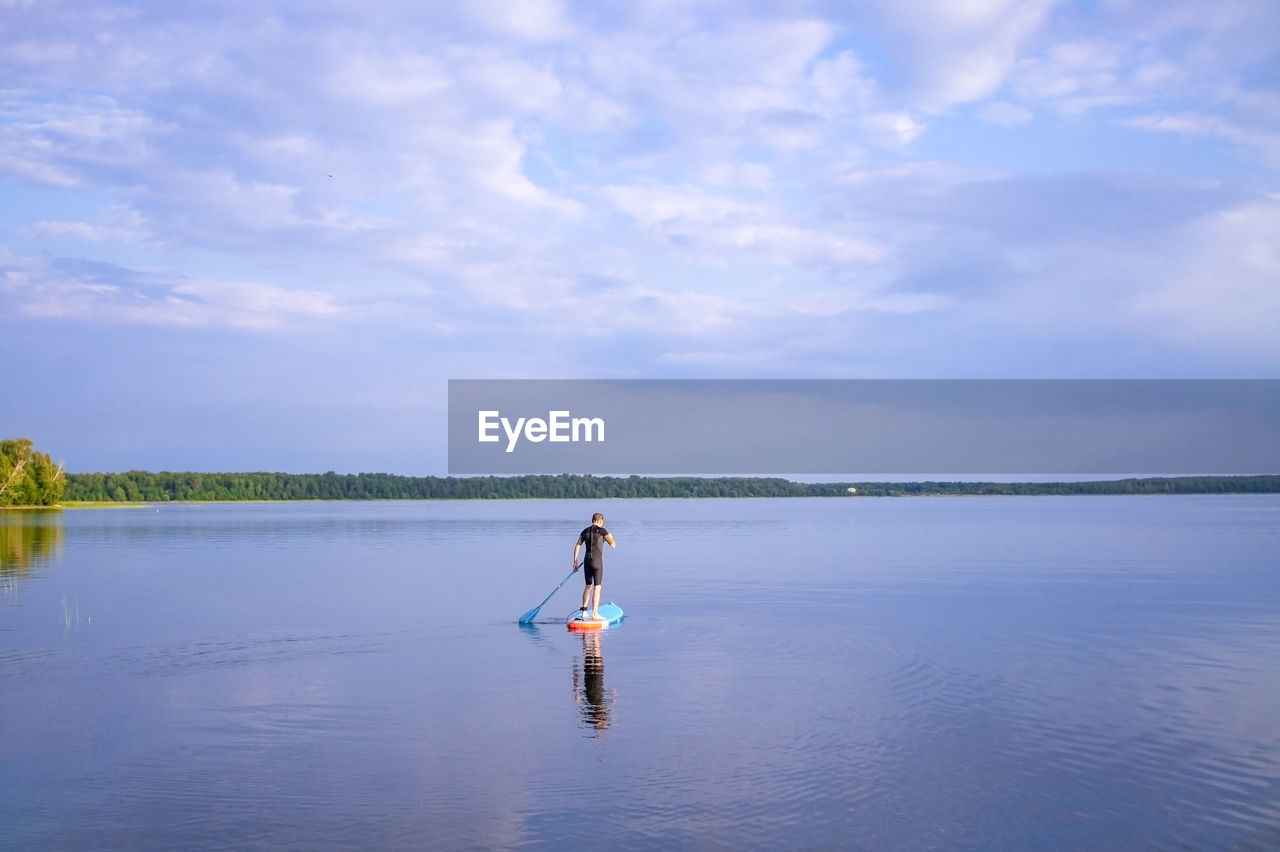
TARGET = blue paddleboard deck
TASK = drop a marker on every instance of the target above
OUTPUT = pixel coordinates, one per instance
(610, 613)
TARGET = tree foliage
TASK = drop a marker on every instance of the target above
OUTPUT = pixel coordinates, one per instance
(143, 486)
(28, 478)
(1262, 484)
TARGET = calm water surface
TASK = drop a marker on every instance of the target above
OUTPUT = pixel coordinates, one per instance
(994, 673)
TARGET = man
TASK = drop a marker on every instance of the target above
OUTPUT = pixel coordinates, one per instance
(594, 538)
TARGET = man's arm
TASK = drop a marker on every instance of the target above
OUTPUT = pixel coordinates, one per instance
(609, 538)
(576, 547)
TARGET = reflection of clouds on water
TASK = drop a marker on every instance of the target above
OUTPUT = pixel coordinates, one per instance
(349, 737)
(593, 699)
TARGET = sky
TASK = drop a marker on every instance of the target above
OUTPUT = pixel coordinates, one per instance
(263, 236)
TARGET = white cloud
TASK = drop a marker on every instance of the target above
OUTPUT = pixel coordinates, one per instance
(1264, 140)
(58, 143)
(841, 79)
(761, 82)
(894, 128)
(1158, 74)
(531, 20)
(1171, 60)
(959, 52)
(512, 85)
(653, 308)
(81, 231)
(760, 54)
(31, 166)
(499, 167)
(835, 302)
(1220, 282)
(288, 146)
(755, 176)
(685, 312)
(710, 224)
(658, 205)
(390, 81)
(1080, 76)
(1005, 114)
(117, 296)
(255, 205)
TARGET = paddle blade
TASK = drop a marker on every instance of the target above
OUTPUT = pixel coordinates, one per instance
(529, 616)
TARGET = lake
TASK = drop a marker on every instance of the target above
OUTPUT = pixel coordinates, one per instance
(990, 672)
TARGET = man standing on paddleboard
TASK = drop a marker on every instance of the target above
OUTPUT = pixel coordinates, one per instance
(594, 538)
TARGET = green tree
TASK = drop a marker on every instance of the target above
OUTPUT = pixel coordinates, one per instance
(28, 478)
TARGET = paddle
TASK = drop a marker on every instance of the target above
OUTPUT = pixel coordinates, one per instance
(531, 614)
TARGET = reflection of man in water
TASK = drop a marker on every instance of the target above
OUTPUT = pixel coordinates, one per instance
(588, 690)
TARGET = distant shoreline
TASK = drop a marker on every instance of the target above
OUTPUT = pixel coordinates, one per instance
(135, 488)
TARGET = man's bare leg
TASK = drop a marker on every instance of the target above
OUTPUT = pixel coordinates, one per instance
(595, 602)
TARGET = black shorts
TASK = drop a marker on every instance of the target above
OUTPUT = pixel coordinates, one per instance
(593, 576)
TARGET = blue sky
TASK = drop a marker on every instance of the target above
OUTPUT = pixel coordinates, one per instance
(263, 236)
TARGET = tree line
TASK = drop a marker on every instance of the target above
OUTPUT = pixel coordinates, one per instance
(30, 478)
(147, 487)
(1262, 484)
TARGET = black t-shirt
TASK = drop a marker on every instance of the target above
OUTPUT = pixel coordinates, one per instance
(594, 538)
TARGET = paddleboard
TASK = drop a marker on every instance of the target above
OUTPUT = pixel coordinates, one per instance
(610, 613)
